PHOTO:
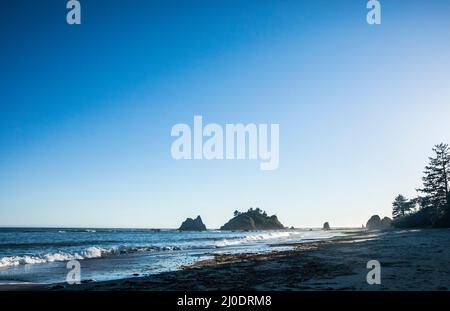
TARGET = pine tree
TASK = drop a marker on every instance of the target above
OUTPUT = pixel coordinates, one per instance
(401, 206)
(436, 180)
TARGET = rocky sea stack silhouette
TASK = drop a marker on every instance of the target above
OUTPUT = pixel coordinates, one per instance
(376, 223)
(253, 219)
(193, 225)
(326, 226)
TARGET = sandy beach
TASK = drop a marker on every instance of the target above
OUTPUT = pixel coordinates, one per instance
(410, 260)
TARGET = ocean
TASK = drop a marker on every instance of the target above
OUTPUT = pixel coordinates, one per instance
(40, 255)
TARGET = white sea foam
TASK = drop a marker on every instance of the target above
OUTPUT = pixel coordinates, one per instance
(278, 236)
(256, 237)
(91, 252)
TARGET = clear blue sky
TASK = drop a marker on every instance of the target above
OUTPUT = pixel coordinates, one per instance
(86, 111)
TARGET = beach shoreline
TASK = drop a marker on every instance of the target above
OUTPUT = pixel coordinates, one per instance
(410, 260)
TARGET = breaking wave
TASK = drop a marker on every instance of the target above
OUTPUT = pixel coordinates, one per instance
(91, 252)
(255, 238)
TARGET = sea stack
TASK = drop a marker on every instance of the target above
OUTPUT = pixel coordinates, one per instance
(253, 219)
(326, 226)
(193, 225)
(376, 223)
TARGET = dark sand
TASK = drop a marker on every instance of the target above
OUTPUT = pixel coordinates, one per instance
(410, 260)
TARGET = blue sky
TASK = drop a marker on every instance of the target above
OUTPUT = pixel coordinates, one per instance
(86, 111)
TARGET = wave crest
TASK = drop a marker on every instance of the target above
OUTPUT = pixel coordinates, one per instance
(91, 252)
(255, 238)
